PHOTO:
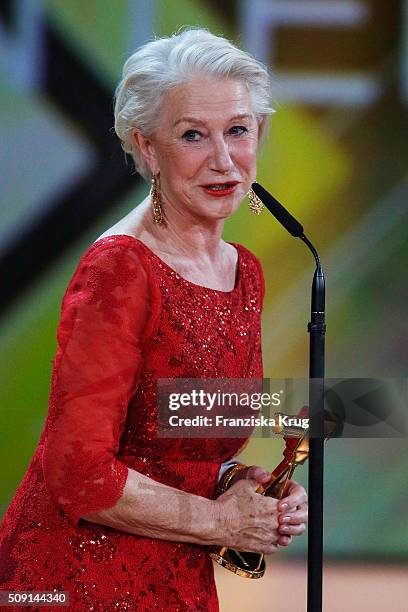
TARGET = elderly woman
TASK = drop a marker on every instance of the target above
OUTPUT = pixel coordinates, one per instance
(108, 511)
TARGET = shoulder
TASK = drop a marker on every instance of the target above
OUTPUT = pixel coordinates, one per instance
(113, 264)
(112, 283)
(118, 246)
(116, 254)
(246, 253)
(251, 267)
(248, 257)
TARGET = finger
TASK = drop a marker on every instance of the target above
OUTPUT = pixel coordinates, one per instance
(292, 530)
(284, 540)
(292, 510)
(292, 485)
(297, 496)
(293, 518)
(258, 473)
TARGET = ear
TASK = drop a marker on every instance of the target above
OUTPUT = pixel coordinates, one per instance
(146, 147)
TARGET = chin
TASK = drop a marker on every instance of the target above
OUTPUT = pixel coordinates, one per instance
(226, 211)
(219, 208)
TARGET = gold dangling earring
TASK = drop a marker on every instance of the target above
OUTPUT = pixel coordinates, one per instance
(155, 194)
(255, 204)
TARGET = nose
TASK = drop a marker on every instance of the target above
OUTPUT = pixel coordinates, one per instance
(220, 158)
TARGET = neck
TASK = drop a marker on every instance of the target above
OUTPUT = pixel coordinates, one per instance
(184, 234)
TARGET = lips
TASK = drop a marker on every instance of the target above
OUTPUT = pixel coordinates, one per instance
(218, 190)
(220, 185)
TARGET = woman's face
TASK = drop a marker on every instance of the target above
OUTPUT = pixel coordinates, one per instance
(205, 147)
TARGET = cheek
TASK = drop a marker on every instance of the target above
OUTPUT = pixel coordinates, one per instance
(245, 155)
(182, 162)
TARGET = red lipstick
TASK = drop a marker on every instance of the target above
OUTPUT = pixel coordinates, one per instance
(219, 190)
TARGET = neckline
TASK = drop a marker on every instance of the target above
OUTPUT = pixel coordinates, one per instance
(238, 273)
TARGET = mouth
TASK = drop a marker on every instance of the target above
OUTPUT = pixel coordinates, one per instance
(220, 189)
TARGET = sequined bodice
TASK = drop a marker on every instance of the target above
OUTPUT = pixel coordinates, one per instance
(127, 320)
(201, 333)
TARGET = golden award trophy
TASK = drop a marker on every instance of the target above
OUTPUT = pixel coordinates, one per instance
(251, 564)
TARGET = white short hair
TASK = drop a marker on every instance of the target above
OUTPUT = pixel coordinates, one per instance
(167, 62)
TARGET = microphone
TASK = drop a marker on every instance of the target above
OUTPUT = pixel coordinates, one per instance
(316, 329)
(282, 215)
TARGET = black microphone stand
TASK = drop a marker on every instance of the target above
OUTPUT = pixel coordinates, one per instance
(317, 329)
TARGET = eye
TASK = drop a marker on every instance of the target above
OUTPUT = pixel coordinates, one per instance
(191, 135)
(238, 130)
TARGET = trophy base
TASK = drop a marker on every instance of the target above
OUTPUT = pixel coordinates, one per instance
(246, 564)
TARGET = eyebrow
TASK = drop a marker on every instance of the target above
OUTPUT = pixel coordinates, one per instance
(200, 122)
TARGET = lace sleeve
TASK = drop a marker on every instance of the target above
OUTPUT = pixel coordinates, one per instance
(107, 317)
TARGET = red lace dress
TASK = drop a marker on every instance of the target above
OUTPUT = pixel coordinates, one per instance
(127, 319)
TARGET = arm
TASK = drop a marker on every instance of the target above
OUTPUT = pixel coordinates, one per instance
(108, 316)
(240, 519)
(152, 509)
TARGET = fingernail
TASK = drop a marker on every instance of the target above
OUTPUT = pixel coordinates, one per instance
(285, 528)
(284, 507)
(286, 519)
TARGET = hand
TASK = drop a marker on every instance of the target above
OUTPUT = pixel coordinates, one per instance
(293, 508)
(246, 520)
